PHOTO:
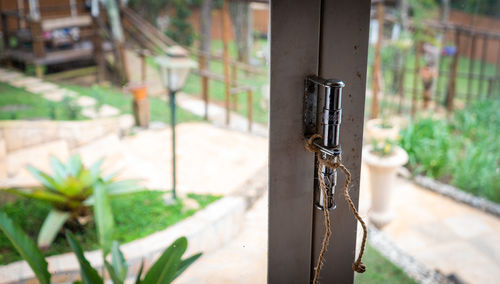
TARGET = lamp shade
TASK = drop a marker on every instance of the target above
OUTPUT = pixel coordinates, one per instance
(174, 70)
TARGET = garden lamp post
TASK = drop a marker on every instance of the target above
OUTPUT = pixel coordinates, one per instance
(174, 69)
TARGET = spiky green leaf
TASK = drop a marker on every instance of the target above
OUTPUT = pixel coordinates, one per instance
(103, 218)
(58, 169)
(112, 273)
(89, 275)
(185, 264)
(165, 268)
(74, 165)
(139, 274)
(51, 226)
(118, 261)
(44, 178)
(40, 194)
(25, 247)
(124, 187)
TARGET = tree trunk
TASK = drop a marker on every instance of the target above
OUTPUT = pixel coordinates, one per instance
(206, 25)
(242, 23)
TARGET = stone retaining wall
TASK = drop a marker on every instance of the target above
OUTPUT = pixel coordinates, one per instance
(20, 134)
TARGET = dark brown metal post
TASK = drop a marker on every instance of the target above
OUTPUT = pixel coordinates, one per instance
(483, 64)
(450, 97)
(471, 66)
(294, 23)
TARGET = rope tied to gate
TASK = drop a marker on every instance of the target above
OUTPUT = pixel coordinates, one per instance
(335, 163)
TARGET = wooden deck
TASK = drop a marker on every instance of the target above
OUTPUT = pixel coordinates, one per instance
(83, 52)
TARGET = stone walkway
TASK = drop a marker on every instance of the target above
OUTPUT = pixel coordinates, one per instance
(438, 232)
(441, 233)
(55, 93)
(210, 159)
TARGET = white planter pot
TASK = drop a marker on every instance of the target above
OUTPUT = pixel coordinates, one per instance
(382, 173)
(374, 130)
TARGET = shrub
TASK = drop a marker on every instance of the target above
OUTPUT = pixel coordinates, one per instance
(463, 151)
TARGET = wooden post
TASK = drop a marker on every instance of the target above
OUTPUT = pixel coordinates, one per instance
(37, 37)
(225, 38)
(471, 66)
(250, 109)
(376, 78)
(204, 82)
(99, 54)
(5, 31)
(450, 97)
(416, 76)
(497, 71)
(142, 54)
(401, 87)
(483, 63)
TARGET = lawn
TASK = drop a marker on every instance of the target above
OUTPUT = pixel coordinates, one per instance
(136, 215)
(159, 109)
(17, 103)
(380, 270)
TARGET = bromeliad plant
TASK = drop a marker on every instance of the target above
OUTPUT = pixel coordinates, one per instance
(166, 269)
(71, 191)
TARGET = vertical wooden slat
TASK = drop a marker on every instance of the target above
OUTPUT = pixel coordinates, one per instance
(483, 64)
(225, 39)
(450, 97)
(250, 109)
(437, 93)
(204, 82)
(471, 66)
(344, 50)
(376, 72)
(294, 55)
(416, 76)
(497, 71)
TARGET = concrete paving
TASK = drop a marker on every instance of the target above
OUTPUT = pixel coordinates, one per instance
(440, 233)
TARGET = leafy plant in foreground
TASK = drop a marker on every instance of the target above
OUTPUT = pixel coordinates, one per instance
(71, 191)
(166, 269)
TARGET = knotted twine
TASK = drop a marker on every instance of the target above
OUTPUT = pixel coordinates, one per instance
(335, 163)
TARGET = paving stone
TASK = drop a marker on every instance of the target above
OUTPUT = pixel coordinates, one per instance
(55, 95)
(42, 87)
(467, 226)
(107, 110)
(25, 81)
(488, 244)
(85, 101)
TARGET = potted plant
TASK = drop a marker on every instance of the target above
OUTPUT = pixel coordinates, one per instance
(382, 129)
(382, 161)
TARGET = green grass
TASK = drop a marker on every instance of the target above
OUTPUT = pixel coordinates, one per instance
(136, 215)
(463, 151)
(159, 109)
(17, 103)
(381, 271)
